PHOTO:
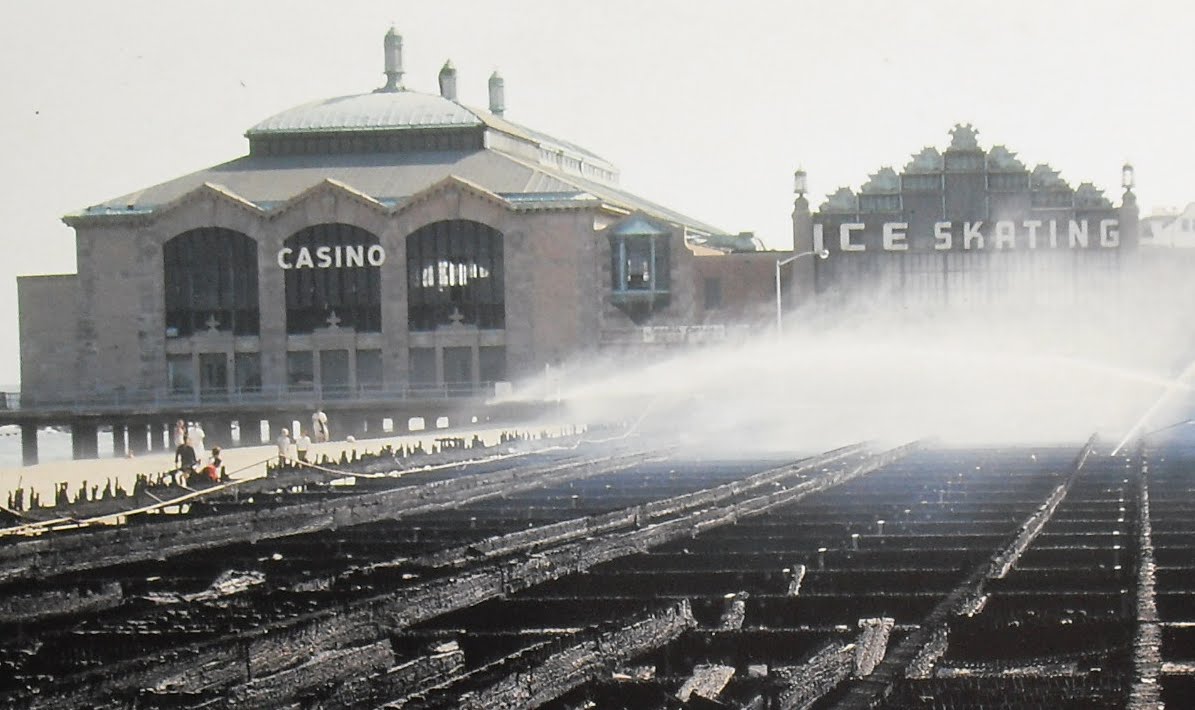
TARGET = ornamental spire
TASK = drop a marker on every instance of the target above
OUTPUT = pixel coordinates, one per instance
(392, 47)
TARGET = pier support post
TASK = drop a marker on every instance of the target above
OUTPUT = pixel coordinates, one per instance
(118, 445)
(159, 438)
(373, 426)
(83, 440)
(138, 437)
(277, 424)
(219, 433)
(250, 427)
(29, 444)
(358, 424)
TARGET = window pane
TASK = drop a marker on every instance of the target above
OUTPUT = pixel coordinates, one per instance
(180, 374)
(300, 370)
(334, 372)
(493, 364)
(638, 264)
(423, 366)
(248, 372)
(458, 365)
(661, 282)
(369, 368)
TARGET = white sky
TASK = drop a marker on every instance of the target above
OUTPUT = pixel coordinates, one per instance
(706, 107)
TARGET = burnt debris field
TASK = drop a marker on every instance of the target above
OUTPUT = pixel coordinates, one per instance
(625, 576)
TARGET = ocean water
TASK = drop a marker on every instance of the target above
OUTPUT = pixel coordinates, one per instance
(52, 445)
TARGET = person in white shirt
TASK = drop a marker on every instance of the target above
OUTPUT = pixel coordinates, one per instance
(302, 445)
(197, 436)
(283, 447)
(319, 425)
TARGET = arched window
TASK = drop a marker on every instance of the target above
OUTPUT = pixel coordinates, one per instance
(333, 278)
(455, 276)
(211, 282)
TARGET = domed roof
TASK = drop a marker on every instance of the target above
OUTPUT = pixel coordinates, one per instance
(381, 110)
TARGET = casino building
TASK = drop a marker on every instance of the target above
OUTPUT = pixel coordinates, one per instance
(965, 227)
(394, 243)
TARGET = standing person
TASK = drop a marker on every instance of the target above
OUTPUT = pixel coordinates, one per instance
(302, 445)
(319, 425)
(185, 458)
(180, 433)
(283, 447)
(197, 436)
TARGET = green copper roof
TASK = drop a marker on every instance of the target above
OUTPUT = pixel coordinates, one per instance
(384, 110)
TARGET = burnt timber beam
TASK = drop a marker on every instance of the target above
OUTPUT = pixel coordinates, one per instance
(554, 534)
(592, 655)
(1147, 641)
(59, 554)
(799, 687)
(867, 693)
(37, 606)
(706, 681)
(234, 659)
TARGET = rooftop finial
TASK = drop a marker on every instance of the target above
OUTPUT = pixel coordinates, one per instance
(392, 46)
(962, 137)
(497, 94)
(448, 81)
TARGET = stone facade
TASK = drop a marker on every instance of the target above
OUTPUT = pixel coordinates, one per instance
(558, 289)
(48, 323)
(545, 215)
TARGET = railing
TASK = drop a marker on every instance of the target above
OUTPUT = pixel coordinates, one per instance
(163, 399)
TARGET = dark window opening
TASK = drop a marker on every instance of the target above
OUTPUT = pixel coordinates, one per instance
(879, 203)
(458, 369)
(1008, 181)
(210, 279)
(180, 374)
(213, 375)
(369, 369)
(300, 370)
(713, 294)
(334, 373)
(423, 366)
(455, 276)
(324, 295)
(492, 364)
(247, 367)
(640, 263)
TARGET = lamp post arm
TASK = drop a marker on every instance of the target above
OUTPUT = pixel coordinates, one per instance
(782, 262)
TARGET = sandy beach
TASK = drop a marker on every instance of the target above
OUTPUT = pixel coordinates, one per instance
(241, 462)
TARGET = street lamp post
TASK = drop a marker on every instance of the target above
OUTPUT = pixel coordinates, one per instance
(781, 262)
